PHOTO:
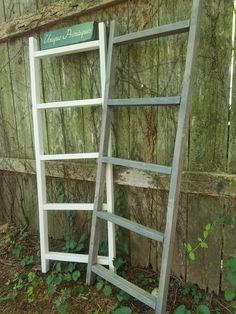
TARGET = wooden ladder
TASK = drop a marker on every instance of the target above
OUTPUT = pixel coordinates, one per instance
(35, 55)
(167, 238)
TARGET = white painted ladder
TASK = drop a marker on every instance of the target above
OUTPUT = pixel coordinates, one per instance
(158, 303)
(35, 55)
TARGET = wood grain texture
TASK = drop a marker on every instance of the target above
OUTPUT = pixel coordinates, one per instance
(205, 270)
(20, 92)
(47, 15)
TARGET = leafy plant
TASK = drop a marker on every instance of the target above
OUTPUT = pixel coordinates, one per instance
(123, 310)
(28, 260)
(192, 289)
(60, 302)
(230, 293)
(202, 241)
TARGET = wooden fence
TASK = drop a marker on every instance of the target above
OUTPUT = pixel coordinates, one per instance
(146, 69)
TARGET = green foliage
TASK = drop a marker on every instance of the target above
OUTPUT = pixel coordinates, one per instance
(107, 290)
(193, 290)
(99, 284)
(118, 262)
(182, 310)
(203, 309)
(122, 296)
(230, 293)
(28, 260)
(202, 241)
(16, 251)
(123, 310)
(60, 302)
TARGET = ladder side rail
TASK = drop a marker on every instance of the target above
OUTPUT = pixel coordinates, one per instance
(101, 167)
(109, 168)
(38, 140)
(178, 158)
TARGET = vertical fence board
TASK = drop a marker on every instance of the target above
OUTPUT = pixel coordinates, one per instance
(228, 240)
(20, 97)
(232, 135)
(8, 121)
(205, 270)
(12, 9)
(2, 13)
(142, 78)
(208, 134)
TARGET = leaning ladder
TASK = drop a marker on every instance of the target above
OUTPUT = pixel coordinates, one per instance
(37, 107)
(192, 26)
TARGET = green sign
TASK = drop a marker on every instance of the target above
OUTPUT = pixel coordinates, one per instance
(69, 35)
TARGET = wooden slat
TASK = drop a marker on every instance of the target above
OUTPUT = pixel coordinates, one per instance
(69, 156)
(125, 285)
(147, 101)
(76, 258)
(70, 103)
(66, 50)
(132, 226)
(70, 206)
(156, 32)
(137, 165)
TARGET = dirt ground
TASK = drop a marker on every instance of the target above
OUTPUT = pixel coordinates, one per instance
(24, 289)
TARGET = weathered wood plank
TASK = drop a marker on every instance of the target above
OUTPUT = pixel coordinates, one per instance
(228, 242)
(20, 92)
(209, 122)
(143, 60)
(12, 9)
(206, 269)
(208, 133)
(2, 11)
(232, 133)
(9, 137)
(49, 15)
(206, 183)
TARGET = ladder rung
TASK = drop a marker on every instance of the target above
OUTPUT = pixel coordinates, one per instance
(69, 156)
(152, 101)
(65, 50)
(70, 103)
(156, 32)
(70, 206)
(72, 257)
(125, 285)
(137, 164)
(132, 226)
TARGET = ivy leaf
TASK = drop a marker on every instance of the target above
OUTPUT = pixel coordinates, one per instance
(83, 238)
(192, 256)
(199, 239)
(233, 304)
(76, 275)
(107, 290)
(80, 290)
(71, 267)
(182, 310)
(99, 285)
(229, 294)
(231, 276)
(118, 262)
(231, 263)
(188, 247)
(123, 310)
(203, 309)
(208, 227)
(203, 245)
(205, 234)
(16, 250)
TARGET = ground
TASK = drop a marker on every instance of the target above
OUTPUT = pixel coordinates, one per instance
(24, 289)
